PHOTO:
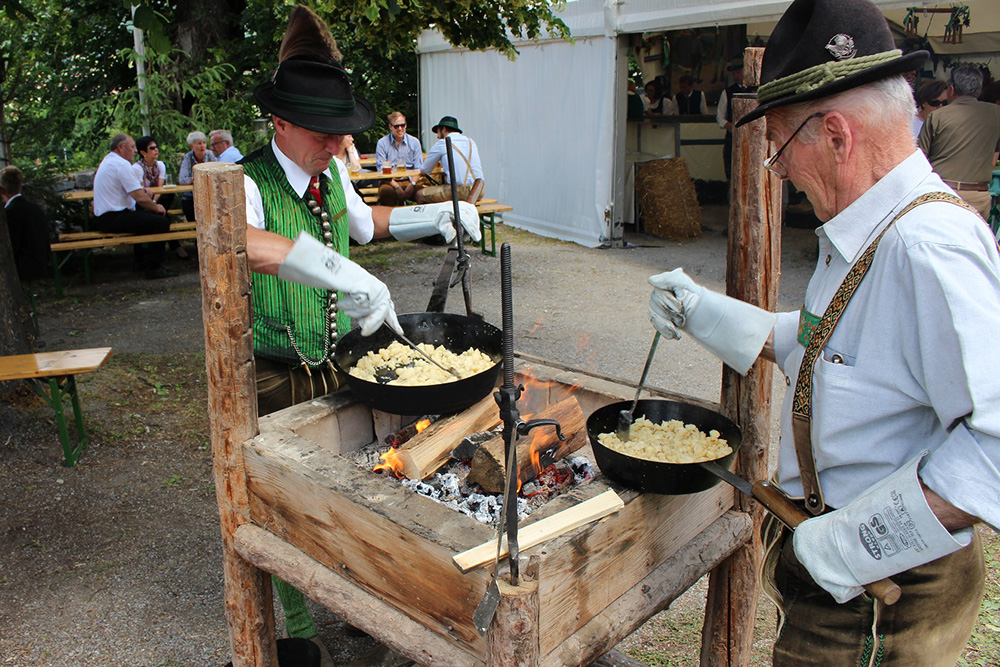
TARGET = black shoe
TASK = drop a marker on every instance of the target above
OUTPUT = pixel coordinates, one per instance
(160, 272)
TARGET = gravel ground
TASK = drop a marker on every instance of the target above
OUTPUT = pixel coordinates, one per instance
(117, 561)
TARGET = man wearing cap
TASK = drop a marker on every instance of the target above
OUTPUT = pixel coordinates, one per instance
(468, 168)
(293, 194)
(962, 140)
(890, 434)
(724, 112)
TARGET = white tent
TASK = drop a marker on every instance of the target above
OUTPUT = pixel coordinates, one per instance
(551, 125)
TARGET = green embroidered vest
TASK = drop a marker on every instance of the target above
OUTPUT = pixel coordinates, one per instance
(292, 323)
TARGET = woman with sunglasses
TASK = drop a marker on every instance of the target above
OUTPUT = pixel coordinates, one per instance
(930, 96)
(153, 173)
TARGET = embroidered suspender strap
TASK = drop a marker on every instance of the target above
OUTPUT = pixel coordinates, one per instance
(802, 398)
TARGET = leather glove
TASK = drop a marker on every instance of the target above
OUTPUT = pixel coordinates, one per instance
(731, 329)
(408, 223)
(886, 530)
(365, 297)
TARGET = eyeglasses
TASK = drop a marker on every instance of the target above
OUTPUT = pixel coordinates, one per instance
(938, 103)
(771, 163)
(216, 143)
(152, 148)
(399, 126)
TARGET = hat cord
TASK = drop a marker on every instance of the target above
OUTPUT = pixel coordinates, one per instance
(820, 75)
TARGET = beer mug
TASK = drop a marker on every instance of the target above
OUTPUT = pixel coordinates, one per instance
(400, 165)
(387, 167)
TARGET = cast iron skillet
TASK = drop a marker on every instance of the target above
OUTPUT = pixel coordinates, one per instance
(456, 332)
(655, 476)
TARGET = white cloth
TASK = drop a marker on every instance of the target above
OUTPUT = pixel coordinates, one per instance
(359, 215)
(13, 197)
(720, 110)
(464, 173)
(137, 168)
(231, 154)
(112, 183)
(913, 363)
(917, 124)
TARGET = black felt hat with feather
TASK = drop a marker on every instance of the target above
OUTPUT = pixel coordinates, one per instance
(310, 88)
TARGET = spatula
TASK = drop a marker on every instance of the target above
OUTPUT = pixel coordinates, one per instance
(625, 416)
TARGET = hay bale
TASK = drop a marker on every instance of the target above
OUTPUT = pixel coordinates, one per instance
(668, 200)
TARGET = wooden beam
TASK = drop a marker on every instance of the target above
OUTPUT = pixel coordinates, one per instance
(487, 467)
(752, 271)
(232, 400)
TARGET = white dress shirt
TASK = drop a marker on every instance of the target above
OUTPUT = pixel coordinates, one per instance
(231, 154)
(464, 173)
(913, 362)
(112, 183)
(359, 215)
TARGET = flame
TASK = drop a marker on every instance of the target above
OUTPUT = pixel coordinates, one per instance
(422, 424)
(392, 462)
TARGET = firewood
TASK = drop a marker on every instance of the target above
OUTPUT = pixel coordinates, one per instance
(543, 530)
(487, 467)
(430, 449)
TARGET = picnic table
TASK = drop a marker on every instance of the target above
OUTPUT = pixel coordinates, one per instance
(378, 175)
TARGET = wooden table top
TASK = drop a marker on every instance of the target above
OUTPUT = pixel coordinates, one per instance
(48, 364)
(83, 195)
(378, 175)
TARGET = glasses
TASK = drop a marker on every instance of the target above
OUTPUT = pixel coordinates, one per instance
(152, 148)
(399, 126)
(216, 143)
(938, 103)
(771, 163)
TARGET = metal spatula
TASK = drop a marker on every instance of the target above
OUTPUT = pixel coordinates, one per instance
(625, 416)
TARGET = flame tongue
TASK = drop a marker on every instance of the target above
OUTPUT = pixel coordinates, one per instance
(391, 462)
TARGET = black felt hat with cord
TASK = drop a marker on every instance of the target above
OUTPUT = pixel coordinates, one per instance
(823, 47)
(310, 88)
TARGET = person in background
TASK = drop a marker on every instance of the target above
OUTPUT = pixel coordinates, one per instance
(153, 174)
(468, 168)
(688, 101)
(635, 107)
(221, 143)
(117, 191)
(302, 214)
(890, 437)
(930, 95)
(656, 103)
(397, 147)
(962, 140)
(198, 154)
(724, 112)
(29, 228)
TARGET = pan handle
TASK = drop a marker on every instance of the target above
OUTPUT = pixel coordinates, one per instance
(885, 590)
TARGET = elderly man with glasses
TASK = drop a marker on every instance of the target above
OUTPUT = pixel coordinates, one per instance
(890, 431)
(397, 147)
(221, 143)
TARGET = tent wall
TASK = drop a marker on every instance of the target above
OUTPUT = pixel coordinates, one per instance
(544, 125)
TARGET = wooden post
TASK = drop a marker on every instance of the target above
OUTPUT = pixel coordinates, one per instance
(752, 270)
(232, 399)
(512, 638)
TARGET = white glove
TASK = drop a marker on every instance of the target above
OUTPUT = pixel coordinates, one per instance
(731, 329)
(365, 297)
(408, 223)
(886, 530)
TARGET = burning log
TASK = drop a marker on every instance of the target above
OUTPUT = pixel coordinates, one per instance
(533, 454)
(428, 450)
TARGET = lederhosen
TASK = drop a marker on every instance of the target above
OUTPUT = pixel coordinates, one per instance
(295, 326)
(932, 621)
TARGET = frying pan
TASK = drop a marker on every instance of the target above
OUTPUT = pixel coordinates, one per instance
(684, 478)
(455, 332)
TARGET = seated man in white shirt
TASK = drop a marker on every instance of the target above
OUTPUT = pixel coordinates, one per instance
(221, 143)
(468, 167)
(117, 190)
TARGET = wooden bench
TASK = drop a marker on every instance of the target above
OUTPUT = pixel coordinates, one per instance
(53, 375)
(487, 211)
(87, 241)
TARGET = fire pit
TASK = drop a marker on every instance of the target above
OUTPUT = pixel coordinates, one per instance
(397, 546)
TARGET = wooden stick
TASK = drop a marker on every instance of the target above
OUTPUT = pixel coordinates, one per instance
(534, 534)
(512, 639)
(429, 450)
(487, 468)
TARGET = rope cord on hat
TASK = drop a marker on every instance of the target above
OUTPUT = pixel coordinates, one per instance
(316, 105)
(819, 75)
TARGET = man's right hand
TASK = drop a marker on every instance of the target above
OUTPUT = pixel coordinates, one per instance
(366, 298)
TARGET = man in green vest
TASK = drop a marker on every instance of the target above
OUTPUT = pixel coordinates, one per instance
(304, 293)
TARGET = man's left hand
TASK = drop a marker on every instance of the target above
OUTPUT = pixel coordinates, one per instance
(409, 223)
(886, 530)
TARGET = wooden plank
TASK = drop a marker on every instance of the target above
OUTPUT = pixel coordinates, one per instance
(752, 273)
(544, 530)
(653, 593)
(493, 208)
(232, 400)
(84, 195)
(364, 610)
(77, 236)
(48, 364)
(130, 239)
(488, 465)
(429, 450)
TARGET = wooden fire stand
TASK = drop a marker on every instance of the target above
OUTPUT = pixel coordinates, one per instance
(379, 555)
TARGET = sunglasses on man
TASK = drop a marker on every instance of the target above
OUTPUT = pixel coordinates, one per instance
(399, 126)
(938, 103)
